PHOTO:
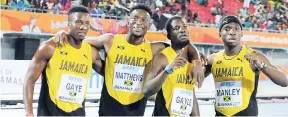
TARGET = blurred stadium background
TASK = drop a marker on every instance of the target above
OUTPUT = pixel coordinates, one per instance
(27, 23)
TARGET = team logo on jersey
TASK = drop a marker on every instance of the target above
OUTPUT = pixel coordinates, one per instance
(227, 98)
(219, 62)
(128, 83)
(239, 59)
(143, 50)
(63, 53)
(183, 107)
(121, 47)
(72, 93)
(85, 56)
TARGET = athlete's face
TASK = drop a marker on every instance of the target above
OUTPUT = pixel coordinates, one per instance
(231, 34)
(139, 22)
(79, 25)
(179, 32)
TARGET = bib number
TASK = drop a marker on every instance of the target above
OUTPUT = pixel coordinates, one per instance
(182, 102)
(128, 78)
(228, 94)
(72, 89)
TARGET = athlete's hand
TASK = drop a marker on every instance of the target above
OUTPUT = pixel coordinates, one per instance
(204, 61)
(29, 115)
(253, 57)
(178, 61)
(61, 37)
(198, 72)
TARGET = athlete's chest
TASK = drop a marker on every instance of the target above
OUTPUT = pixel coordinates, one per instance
(71, 61)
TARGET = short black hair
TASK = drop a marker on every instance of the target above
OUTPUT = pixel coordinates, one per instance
(78, 8)
(168, 24)
(142, 7)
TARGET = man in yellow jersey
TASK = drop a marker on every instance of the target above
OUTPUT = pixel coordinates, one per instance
(65, 71)
(236, 72)
(126, 58)
(170, 76)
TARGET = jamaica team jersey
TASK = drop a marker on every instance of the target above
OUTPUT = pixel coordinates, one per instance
(124, 78)
(175, 98)
(236, 85)
(64, 81)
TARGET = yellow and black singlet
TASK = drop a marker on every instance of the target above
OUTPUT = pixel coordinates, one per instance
(124, 78)
(175, 97)
(236, 85)
(64, 81)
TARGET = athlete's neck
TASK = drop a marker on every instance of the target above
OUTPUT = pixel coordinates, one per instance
(177, 48)
(74, 42)
(134, 40)
(230, 51)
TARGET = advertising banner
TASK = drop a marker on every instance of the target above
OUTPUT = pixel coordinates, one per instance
(49, 23)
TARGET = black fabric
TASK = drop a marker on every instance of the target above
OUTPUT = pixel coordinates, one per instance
(46, 107)
(111, 107)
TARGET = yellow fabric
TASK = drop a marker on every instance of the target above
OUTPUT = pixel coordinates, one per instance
(125, 54)
(180, 78)
(68, 61)
(236, 69)
(3, 2)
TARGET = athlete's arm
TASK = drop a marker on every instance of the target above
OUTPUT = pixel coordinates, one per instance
(102, 42)
(276, 75)
(157, 47)
(97, 62)
(38, 63)
(209, 64)
(195, 109)
(156, 76)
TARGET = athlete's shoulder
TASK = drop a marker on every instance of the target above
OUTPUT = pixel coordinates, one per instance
(46, 49)
(106, 37)
(158, 47)
(160, 58)
(158, 43)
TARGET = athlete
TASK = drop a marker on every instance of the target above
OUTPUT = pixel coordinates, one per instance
(170, 76)
(126, 58)
(236, 72)
(65, 71)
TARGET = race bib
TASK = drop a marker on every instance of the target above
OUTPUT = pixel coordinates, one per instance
(72, 89)
(182, 102)
(228, 94)
(128, 78)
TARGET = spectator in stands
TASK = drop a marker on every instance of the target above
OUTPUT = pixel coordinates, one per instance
(159, 4)
(44, 6)
(189, 16)
(36, 4)
(22, 5)
(76, 2)
(246, 3)
(248, 22)
(214, 10)
(56, 7)
(13, 3)
(65, 5)
(132, 3)
(205, 3)
(156, 17)
(195, 17)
